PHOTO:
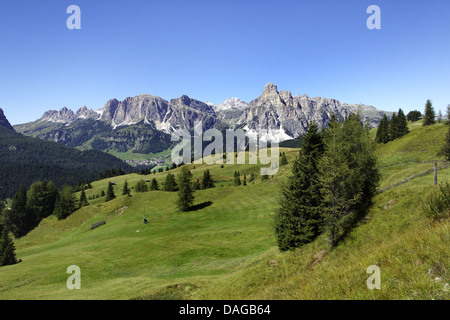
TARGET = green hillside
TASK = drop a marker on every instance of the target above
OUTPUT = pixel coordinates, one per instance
(226, 249)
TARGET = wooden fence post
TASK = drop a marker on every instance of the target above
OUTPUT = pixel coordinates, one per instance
(435, 173)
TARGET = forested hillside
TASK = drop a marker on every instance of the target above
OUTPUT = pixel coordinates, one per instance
(24, 160)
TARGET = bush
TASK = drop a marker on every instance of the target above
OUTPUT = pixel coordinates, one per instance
(141, 186)
(437, 205)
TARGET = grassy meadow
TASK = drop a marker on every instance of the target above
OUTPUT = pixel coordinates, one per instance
(225, 247)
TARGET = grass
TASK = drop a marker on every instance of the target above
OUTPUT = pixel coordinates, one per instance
(226, 249)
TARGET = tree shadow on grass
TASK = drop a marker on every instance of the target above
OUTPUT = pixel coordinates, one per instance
(200, 206)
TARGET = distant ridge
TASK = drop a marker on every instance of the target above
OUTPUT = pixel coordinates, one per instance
(4, 122)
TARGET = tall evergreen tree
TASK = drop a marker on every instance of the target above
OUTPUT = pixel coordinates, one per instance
(185, 189)
(393, 127)
(83, 202)
(283, 160)
(414, 115)
(110, 192)
(197, 185)
(348, 174)
(380, 132)
(237, 178)
(402, 123)
(126, 190)
(445, 150)
(154, 185)
(19, 220)
(430, 115)
(65, 204)
(382, 135)
(41, 199)
(207, 181)
(299, 218)
(169, 183)
(7, 250)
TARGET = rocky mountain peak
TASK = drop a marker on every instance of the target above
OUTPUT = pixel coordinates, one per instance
(270, 89)
(64, 115)
(185, 101)
(85, 113)
(232, 103)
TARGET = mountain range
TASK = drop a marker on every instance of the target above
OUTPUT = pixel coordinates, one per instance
(143, 124)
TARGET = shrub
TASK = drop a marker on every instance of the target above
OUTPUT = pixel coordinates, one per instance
(141, 186)
(437, 205)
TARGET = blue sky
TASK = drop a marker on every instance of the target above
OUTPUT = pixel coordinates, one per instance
(211, 50)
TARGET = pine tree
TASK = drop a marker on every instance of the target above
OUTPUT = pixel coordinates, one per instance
(7, 250)
(207, 181)
(102, 194)
(65, 204)
(414, 115)
(126, 190)
(299, 218)
(19, 220)
(439, 116)
(245, 180)
(402, 124)
(169, 183)
(393, 127)
(197, 185)
(382, 135)
(154, 185)
(348, 175)
(41, 200)
(430, 115)
(237, 179)
(83, 202)
(283, 160)
(380, 130)
(110, 192)
(185, 189)
(445, 150)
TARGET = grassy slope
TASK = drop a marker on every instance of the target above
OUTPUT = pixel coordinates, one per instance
(226, 250)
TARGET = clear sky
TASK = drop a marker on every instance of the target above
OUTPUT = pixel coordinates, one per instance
(214, 49)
